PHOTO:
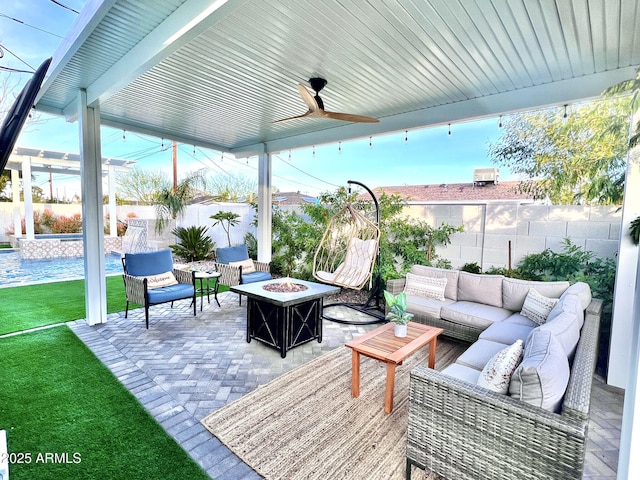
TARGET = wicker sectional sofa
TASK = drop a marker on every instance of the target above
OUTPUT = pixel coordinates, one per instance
(538, 430)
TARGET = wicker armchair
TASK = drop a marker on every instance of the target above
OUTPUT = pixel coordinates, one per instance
(232, 274)
(138, 267)
(462, 431)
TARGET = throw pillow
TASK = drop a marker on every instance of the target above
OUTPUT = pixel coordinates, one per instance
(428, 287)
(247, 265)
(537, 307)
(161, 280)
(496, 374)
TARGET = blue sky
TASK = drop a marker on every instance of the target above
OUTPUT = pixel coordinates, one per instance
(426, 156)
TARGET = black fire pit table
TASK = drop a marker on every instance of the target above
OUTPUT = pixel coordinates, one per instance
(284, 320)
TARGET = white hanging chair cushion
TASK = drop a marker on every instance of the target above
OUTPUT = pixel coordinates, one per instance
(356, 267)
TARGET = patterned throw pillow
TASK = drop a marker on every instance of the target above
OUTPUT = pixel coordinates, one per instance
(428, 287)
(537, 307)
(496, 374)
(247, 266)
(161, 280)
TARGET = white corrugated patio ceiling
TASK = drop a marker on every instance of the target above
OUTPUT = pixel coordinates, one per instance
(219, 73)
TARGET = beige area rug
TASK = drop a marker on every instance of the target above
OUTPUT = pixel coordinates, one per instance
(305, 425)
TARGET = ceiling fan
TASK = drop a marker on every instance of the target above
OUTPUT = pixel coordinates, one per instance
(316, 106)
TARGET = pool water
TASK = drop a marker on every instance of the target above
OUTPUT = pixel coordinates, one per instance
(15, 270)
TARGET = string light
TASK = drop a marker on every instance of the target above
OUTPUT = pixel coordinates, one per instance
(162, 145)
(124, 135)
(406, 135)
(449, 129)
(289, 154)
(565, 111)
(314, 150)
(370, 144)
(500, 122)
(339, 147)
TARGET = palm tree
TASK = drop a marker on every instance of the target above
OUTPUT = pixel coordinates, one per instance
(172, 202)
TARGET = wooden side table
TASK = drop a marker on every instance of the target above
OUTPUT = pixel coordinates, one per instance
(381, 344)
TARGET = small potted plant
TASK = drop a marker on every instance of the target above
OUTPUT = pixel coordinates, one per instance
(398, 312)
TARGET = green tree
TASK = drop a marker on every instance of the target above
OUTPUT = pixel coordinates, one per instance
(226, 221)
(142, 186)
(580, 157)
(232, 188)
(631, 86)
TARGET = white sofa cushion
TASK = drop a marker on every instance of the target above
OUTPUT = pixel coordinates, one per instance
(566, 323)
(496, 374)
(582, 290)
(506, 333)
(473, 314)
(519, 319)
(426, 306)
(479, 353)
(428, 287)
(537, 306)
(486, 289)
(542, 377)
(514, 291)
(463, 372)
(451, 290)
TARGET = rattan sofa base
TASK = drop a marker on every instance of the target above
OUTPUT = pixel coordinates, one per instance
(462, 431)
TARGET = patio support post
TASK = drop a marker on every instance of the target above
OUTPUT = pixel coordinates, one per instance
(17, 217)
(622, 319)
(92, 213)
(113, 214)
(28, 198)
(264, 207)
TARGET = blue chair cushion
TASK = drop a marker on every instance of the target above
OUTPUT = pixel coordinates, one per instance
(256, 277)
(149, 263)
(172, 292)
(232, 254)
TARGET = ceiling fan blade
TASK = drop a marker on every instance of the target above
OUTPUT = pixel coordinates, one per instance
(309, 113)
(348, 117)
(307, 98)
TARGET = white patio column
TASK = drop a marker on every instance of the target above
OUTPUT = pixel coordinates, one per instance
(113, 218)
(629, 465)
(625, 334)
(17, 216)
(92, 220)
(622, 322)
(28, 198)
(264, 207)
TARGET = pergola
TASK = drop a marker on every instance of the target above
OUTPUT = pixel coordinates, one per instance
(27, 160)
(218, 73)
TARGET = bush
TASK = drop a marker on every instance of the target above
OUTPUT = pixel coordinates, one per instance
(471, 267)
(194, 244)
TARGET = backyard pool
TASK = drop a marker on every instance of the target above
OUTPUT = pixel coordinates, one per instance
(15, 270)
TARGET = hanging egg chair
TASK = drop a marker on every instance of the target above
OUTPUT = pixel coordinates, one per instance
(348, 250)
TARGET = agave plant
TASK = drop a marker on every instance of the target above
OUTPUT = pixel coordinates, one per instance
(194, 244)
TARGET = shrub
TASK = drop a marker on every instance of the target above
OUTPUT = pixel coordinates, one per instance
(471, 267)
(194, 244)
(64, 224)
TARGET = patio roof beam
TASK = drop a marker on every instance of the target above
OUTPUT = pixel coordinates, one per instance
(536, 97)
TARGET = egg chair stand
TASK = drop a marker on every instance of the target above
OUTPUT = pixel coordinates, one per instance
(349, 257)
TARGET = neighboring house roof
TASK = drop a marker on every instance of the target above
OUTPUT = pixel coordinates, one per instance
(458, 192)
(292, 198)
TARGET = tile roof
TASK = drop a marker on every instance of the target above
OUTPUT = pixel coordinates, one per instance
(457, 192)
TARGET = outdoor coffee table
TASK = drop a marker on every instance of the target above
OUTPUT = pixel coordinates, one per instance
(381, 344)
(284, 320)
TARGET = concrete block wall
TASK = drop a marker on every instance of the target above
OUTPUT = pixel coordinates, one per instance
(491, 230)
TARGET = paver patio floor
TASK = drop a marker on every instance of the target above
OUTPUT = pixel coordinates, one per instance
(184, 367)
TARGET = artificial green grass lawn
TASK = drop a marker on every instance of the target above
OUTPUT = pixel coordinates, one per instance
(32, 306)
(58, 398)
